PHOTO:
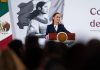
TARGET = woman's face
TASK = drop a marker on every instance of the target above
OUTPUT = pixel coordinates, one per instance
(57, 19)
(45, 8)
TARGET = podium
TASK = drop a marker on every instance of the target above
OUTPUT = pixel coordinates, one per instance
(62, 37)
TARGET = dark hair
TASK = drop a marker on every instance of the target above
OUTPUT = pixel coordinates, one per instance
(54, 16)
(55, 64)
(17, 46)
(40, 5)
(31, 41)
(36, 12)
(33, 52)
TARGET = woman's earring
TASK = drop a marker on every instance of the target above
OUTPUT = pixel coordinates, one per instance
(39, 8)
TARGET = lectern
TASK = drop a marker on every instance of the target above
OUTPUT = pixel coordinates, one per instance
(61, 36)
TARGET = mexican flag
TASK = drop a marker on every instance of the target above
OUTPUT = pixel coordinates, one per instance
(5, 24)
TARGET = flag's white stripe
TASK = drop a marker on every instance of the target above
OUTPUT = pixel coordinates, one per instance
(6, 17)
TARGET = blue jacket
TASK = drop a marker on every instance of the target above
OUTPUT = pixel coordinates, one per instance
(51, 29)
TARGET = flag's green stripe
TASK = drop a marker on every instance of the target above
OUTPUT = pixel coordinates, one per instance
(3, 8)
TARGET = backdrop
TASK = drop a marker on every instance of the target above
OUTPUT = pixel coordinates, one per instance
(81, 17)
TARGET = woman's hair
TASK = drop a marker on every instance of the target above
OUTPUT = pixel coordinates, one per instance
(9, 61)
(38, 10)
(40, 5)
(54, 16)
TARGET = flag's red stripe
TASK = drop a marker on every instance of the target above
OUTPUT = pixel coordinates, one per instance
(4, 42)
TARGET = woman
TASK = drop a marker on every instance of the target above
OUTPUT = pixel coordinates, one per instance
(38, 22)
(56, 25)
